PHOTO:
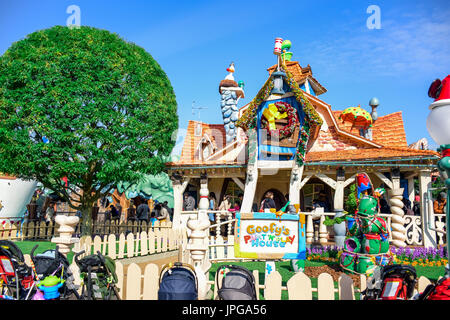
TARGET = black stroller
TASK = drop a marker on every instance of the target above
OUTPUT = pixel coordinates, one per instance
(16, 278)
(98, 274)
(391, 282)
(54, 263)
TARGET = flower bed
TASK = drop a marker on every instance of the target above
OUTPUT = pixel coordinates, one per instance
(420, 256)
(324, 254)
(416, 256)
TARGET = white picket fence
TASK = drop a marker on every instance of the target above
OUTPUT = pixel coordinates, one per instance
(141, 244)
(144, 285)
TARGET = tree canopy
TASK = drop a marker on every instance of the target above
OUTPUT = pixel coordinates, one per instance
(85, 104)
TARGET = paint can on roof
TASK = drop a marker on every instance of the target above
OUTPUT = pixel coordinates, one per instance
(277, 48)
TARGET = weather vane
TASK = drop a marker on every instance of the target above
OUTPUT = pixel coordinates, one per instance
(197, 108)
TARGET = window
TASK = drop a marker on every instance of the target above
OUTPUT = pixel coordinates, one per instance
(233, 190)
(198, 129)
(310, 193)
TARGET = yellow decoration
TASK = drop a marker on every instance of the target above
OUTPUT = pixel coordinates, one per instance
(271, 113)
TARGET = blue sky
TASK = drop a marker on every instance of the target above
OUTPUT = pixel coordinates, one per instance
(194, 42)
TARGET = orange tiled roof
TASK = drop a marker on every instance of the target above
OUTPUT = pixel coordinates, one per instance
(387, 130)
(191, 141)
(300, 74)
(370, 153)
(196, 163)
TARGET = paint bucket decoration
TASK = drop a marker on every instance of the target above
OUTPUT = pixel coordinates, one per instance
(350, 223)
(384, 242)
(285, 46)
(364, 264)
(277, 47)
(352, 244)
(383, 260)
(372, 243)
(355, 230)
(373, 225)
(347, 260)
(367, 206)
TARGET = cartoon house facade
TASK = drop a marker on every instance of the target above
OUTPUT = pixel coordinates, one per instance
(289, 141)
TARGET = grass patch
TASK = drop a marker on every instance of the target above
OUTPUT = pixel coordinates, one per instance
(27, 246)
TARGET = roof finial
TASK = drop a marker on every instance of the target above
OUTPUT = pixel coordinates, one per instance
(230, 69)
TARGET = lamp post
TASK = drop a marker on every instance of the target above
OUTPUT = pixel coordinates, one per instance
(438, 125)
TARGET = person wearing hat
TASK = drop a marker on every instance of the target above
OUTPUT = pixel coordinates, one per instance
(439, 203)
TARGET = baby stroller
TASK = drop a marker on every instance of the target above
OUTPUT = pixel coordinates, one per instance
(178, 281)
(98, 275)
(392, 282)
(54, 263)
(16, 279)
(437, 291)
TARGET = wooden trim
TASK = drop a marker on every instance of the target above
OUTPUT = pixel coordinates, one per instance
(278, 153)
(7, 177)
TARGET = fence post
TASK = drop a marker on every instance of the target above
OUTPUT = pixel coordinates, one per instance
(345, 288)
(130, 245)
(272, 289)
(119, 272)
(151, 282)
(112, 246)
(325, 287)
(134, 275)
(299, 287)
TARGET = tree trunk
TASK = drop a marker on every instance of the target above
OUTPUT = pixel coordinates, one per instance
(86, 212)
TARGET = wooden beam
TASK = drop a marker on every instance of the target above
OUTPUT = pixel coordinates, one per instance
(384, 179)
(349, 180)
(304, 181)
(327, 180)
(239, 183)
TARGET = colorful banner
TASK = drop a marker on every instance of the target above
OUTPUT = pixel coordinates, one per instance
(261, 235)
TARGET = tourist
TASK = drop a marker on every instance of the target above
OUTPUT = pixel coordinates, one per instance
(416, 205)
(384, 206)
(407, 206)
(50, 213)
(267, 203)
(322, 202)
(143, 211)
(212, 205)
(241, 198)
(225, 205)
(235, 208)
(189, 202)
(439, 203)
(153, 218)
(162, 213)
(119, 211)
(113, 212)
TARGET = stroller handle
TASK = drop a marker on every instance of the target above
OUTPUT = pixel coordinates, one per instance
(32, 256)
(102, 258)
(75, 258)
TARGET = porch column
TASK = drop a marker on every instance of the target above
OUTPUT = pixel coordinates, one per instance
(339, 229)
(198, 239)
(252, 172)
(178, 189)
(339, 190)
(411, 190)
(395, 174)
(429, 237)
(294, 184)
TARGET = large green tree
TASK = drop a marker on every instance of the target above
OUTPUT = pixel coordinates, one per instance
(85, 104)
